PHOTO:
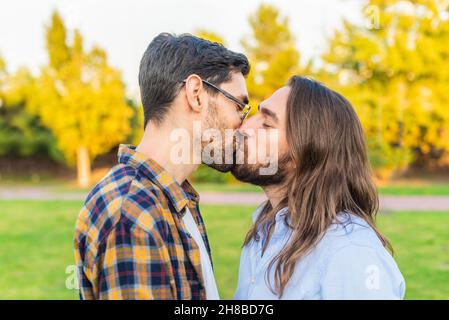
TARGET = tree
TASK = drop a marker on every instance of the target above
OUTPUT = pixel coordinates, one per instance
(80, 98)
(396, 75)
(271, 51)
(21, 133)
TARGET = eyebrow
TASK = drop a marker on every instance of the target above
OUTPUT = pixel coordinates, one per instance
(268, 113)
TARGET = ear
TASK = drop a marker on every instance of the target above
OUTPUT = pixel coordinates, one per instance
(195, 93)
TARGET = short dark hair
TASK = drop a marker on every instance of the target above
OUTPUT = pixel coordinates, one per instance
(170, 59)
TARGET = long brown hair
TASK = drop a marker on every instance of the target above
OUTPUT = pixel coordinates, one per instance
(331, 174)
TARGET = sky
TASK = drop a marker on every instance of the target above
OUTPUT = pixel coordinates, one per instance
(125, 28)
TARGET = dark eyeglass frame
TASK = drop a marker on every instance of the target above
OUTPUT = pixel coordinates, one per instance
(244, 107)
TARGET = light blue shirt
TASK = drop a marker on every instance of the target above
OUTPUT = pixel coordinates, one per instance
(349, 262)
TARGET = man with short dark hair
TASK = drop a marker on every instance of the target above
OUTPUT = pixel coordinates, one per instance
(140, 234)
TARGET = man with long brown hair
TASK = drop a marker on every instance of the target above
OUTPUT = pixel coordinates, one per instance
(315, 237)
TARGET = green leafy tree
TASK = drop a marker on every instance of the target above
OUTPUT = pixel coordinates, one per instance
(271, 51)
(394, 70)
(81, 99)
(21, 133)
(136, 122)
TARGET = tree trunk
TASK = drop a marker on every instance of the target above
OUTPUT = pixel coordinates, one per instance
(83, 167)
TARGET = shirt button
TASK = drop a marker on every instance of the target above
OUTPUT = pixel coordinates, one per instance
(253, 280)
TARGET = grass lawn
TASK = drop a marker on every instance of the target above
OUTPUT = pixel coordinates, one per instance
(432, 189)
(36, 248)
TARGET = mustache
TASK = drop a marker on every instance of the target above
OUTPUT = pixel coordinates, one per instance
(227, 164)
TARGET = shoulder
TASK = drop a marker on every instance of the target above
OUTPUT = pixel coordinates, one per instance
(349, 229)
(361, 272)
(101, 209)
(350, 237)
(121, 196)
(354, 262)
(146, 206)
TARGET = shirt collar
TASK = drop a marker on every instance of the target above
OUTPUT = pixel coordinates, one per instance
(179, 195)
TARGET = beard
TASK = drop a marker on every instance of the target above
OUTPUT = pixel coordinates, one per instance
(221, 167)
(250, 173)
(219, 161)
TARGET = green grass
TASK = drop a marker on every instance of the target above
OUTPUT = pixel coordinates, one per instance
(36, 247)
(226, 229)
(421, 245)
(435, 189)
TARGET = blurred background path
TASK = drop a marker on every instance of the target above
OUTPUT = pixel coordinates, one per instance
(418, 203)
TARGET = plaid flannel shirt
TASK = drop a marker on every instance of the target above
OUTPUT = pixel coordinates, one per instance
(130, 239)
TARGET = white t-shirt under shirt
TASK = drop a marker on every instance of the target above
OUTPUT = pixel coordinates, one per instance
(206, 265)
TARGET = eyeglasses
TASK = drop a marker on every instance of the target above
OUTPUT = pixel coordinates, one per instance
(244, 107)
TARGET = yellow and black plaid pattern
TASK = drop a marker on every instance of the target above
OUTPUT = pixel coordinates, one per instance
(130, 240)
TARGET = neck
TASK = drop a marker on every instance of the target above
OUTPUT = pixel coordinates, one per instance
(275, 194)
(157, 146)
